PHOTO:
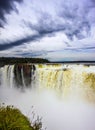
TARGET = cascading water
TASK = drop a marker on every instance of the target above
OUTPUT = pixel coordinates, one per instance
(6, 75)
(63, 94)
(65, 79)
(16, 75)
(68, 80)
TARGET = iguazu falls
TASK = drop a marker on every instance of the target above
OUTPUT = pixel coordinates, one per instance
(47, 64)
(63, 95)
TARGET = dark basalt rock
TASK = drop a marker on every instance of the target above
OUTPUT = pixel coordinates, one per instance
(24, 74)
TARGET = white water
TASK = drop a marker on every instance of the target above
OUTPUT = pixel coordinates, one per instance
(66, 109)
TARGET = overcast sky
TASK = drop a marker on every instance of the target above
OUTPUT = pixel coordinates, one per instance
(57, 30)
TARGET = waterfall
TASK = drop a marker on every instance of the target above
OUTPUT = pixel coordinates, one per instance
(62, 94)
(72, 79)
(22, 75)
(7, 75)
(11, 75)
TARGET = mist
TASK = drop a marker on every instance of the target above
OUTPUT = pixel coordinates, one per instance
(56, 112)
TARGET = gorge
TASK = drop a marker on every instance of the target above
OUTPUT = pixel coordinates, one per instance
(62, 94)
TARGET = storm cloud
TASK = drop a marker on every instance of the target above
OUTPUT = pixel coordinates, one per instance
(6, 6)
(47, 26)
(75, 19)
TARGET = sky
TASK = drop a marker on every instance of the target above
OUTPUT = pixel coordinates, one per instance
(57, 30)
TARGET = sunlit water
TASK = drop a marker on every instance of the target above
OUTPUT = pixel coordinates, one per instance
(71, 108)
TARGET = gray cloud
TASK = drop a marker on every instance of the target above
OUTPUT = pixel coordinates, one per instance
(5, 8)
(36, 37)
(72, 19)
(6, 45)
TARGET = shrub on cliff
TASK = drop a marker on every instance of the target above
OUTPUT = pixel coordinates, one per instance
(12, 119)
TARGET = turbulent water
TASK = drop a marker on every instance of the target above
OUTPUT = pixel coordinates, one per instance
(63, 94)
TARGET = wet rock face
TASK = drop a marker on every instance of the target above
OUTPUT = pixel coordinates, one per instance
(23, 74)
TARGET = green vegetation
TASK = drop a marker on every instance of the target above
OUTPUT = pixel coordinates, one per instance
(12, 119)
(13, 60)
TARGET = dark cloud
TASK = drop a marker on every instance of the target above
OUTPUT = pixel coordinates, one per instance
(6, 45)
(21, 41)
(42, 30)
(70, 20)
(33, 54)
(93, 1)
(71, 23)
(47, 26)
(80, 48)
(6, 6)
(42, 33)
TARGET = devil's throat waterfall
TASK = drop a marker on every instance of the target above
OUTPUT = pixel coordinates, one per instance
(65, 79)
(62, 94)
